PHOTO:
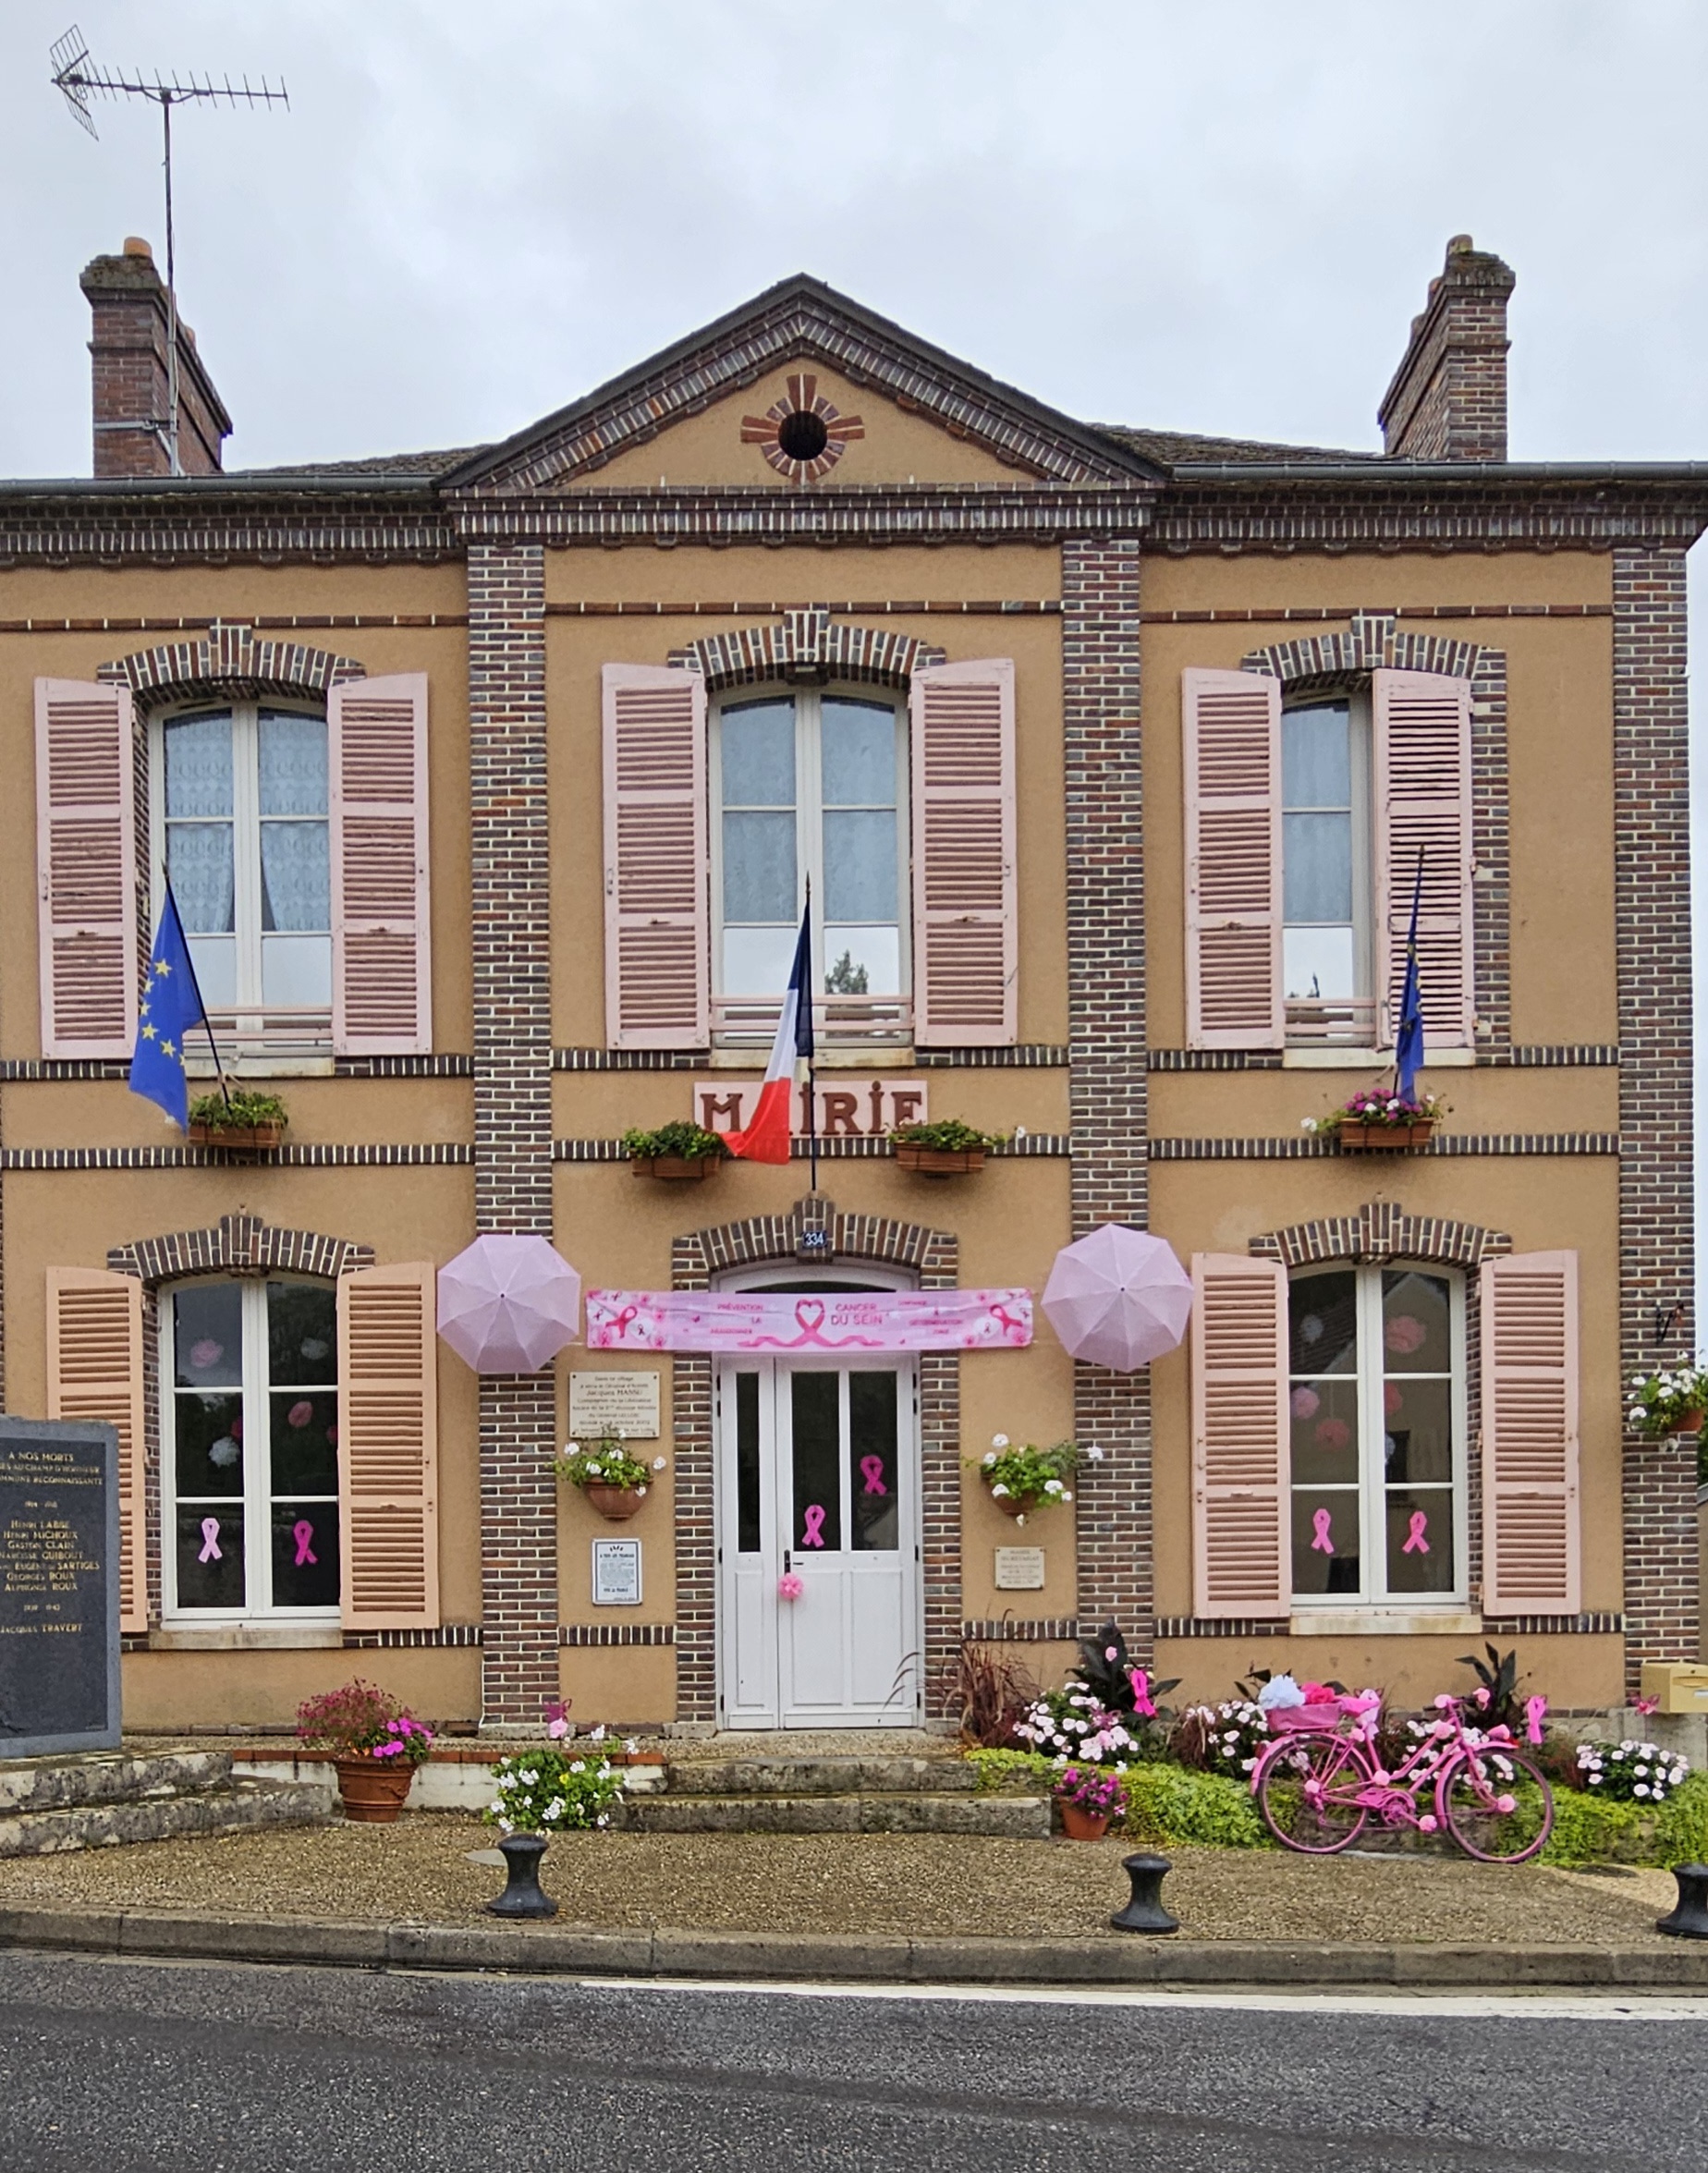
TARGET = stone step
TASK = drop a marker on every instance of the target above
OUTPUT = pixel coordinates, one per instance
(818, 1776)
(234, 1806)
(1016, 1818)
(29, 1785)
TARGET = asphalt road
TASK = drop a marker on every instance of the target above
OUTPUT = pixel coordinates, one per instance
(130, 2066)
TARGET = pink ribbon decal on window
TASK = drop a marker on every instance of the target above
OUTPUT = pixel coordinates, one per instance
(872, 1472)
(1322, 1544)
(1415, 1542)
(303, 1534)
(814, 1533)
(210, 1541)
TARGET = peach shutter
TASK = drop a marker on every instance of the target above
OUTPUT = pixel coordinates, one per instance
(1232, 723)
(86, 867)
(388, 1479)
(94, 1371)
(658, 942)
(1241, 1544)
(1422, 777)
(1531, 1550)
(965, 933)
(382, 996)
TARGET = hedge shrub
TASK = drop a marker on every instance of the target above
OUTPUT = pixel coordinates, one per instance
(1172, 1803)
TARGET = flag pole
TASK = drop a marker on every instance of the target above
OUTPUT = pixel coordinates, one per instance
(207, 1024)
(812, 995)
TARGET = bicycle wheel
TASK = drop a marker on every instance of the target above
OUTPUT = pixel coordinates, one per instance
(1496, 1803)
(1307, 1793)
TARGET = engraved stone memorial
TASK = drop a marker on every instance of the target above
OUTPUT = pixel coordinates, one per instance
(58, 1587)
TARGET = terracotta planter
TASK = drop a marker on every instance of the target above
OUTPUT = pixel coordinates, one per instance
(1689, 1422)
(1011, 1505)
(940, 1161)
(615, 1502)
(676, 1168)
(1385, 1138)
(1081, 1824)
(271, 1134)
(373, 1788)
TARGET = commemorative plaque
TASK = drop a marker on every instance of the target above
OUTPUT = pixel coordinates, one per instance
(58, 1587)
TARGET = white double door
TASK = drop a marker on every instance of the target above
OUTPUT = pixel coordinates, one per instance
(818, 1497)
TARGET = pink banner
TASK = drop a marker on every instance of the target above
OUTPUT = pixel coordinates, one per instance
(764, 1320)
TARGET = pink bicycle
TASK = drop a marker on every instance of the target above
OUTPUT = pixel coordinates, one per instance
(1320, 1781)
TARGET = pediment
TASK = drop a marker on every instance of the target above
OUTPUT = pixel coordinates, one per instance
(800, 389)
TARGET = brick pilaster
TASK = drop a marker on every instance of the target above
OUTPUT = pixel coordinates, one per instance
(513, 1106)
(1652, 864)
(1106, 1041)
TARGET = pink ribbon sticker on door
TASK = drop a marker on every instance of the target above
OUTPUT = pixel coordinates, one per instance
(872, 1472)
(303, 1534)
(1320, 1523)
(1415, 1542)
(814, 1535)
(210, 1541)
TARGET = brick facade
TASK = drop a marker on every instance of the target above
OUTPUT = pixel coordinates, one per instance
(1448, 398)
(129, 346)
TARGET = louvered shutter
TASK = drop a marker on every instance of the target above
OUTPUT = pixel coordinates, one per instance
(1232, 723)
(381, 993)
(94, 1371)
(1422, 764)
(86, 867)
(965, 933)
(1531, 1544)
(388, 1477)
(658, 940)
(1241, 1543)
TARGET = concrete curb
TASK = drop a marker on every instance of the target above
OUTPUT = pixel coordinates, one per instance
(548, 1950)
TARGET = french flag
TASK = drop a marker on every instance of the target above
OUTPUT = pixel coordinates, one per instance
(767, 1138)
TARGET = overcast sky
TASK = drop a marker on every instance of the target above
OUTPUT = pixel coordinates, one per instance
(1200, 214)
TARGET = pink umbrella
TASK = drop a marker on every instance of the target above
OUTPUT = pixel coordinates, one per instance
(1118, 1298)
(509, 1304)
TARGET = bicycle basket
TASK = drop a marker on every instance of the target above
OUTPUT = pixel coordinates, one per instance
(1305, 1719)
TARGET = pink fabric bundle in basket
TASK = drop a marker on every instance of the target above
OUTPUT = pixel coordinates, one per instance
(1299, 1719)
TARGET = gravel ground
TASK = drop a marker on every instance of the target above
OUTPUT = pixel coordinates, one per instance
(895, 1884)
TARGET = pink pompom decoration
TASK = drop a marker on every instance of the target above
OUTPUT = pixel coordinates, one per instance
(299, 1412)
(1506, 1805)
(206, 1353)
(789, 1586)
(1393, 1397)
(1333, 1434)
(1306, 1403)
(1405, 1333)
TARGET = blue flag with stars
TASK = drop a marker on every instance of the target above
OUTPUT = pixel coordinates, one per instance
(1409, 1042)
(171, 1006)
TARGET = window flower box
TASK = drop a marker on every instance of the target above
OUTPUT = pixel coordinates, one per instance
(947, 1148)
(677, 1153)
(940, 1161)
(1379, 1120)
(237, 1121)
(1384, 1139)
(614, 1481)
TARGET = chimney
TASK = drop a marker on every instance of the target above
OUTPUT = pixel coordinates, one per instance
(1448, 398)
(127, 303)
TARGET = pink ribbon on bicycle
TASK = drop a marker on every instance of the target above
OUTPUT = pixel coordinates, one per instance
(1320, 1524)
(210, 1541)
(1415, 1542)
(872, 1472)
(814, 1533)
(303, 1534)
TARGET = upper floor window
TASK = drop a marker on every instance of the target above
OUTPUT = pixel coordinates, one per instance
(241, 815)
(1326, 872)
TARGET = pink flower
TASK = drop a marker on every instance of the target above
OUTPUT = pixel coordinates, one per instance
(1405, 1335)
(1646, 1706)
(1305, 1403)
(299, 1413)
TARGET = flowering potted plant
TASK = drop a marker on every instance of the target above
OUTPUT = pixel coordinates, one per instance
(1024, 1479)
(1088, 1798)
(678, 1149)
(374, 1743)
(1629, 1771)
(240, 1119)
(1668, 1402)
(1377, 1121)
(615, 1481)
(569, 1782)
(947, 1148)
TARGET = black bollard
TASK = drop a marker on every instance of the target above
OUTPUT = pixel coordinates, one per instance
(522, 1897)
(1689, 1920)
(1145, 1912)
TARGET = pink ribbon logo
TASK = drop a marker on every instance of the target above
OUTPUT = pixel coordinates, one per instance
(1415, 1542)
(303, 1534)
(1535, 1708)
(810, 1319)
(210, 1541)
(814, 1533)
(1322, 1544)
(1015, 1331)
(872, 1472)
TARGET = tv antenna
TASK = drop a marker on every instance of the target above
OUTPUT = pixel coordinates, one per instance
(81, 79)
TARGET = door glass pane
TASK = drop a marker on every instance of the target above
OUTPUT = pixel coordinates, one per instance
(208, 1336)
(1419, 1539)
(293, 763)
(198, 763)
(1322, 1404)
(748, 1540)
(296, 876)
(1317, 856)
(1325, 1539)
(1417, 1317)
(863, 961)
(1316, 756)
(302, 1334)
(857, 753)
(757, 745)
(305, 1554)
(296, 969)
(1418, 1437)
(210, 1445)
(814, 1402)
(874, 1478)
(1322, 1323)
(860, 865)
(210, 1555)
(758, 866)
(756, 960)
(199, 862)
(1320, 964)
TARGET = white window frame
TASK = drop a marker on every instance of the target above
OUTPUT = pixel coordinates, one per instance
(1372, 1479)
(1349, 1022)
(248, 1024)
(810, 837)
(257, 1495)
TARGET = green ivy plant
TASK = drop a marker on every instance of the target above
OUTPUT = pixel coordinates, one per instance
(949, 1135)
(552, 1788)
(1036, 1478)
(1659, 1401)
(680, 1138)
(241, 1113)
(605, 1463)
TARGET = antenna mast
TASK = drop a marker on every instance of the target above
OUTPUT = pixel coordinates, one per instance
(79, 78)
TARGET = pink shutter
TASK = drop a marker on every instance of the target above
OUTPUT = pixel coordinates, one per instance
(86, 867)
(1232, 723)
(381, 989)
(94, 1371)
(1242, 1561)
(388, 1447)
(965, 933)
(1422, 765)
(1530, 1549)
(658, 943)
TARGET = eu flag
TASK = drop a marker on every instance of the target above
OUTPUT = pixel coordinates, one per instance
(1408, 1041)
(171, 1006)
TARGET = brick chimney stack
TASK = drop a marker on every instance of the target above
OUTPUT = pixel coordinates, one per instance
(1448, 398)
(127, 302)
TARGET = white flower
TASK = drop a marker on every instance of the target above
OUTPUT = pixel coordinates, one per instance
(593, 1471)
(999, 1441)
(990, 1458)
(658, 1463)
(1020, 1519)
(999, 1491)
(1066, 1498)
(1095, 1453)
(641, 1490)
(1052, 1486)
(572, 1448)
